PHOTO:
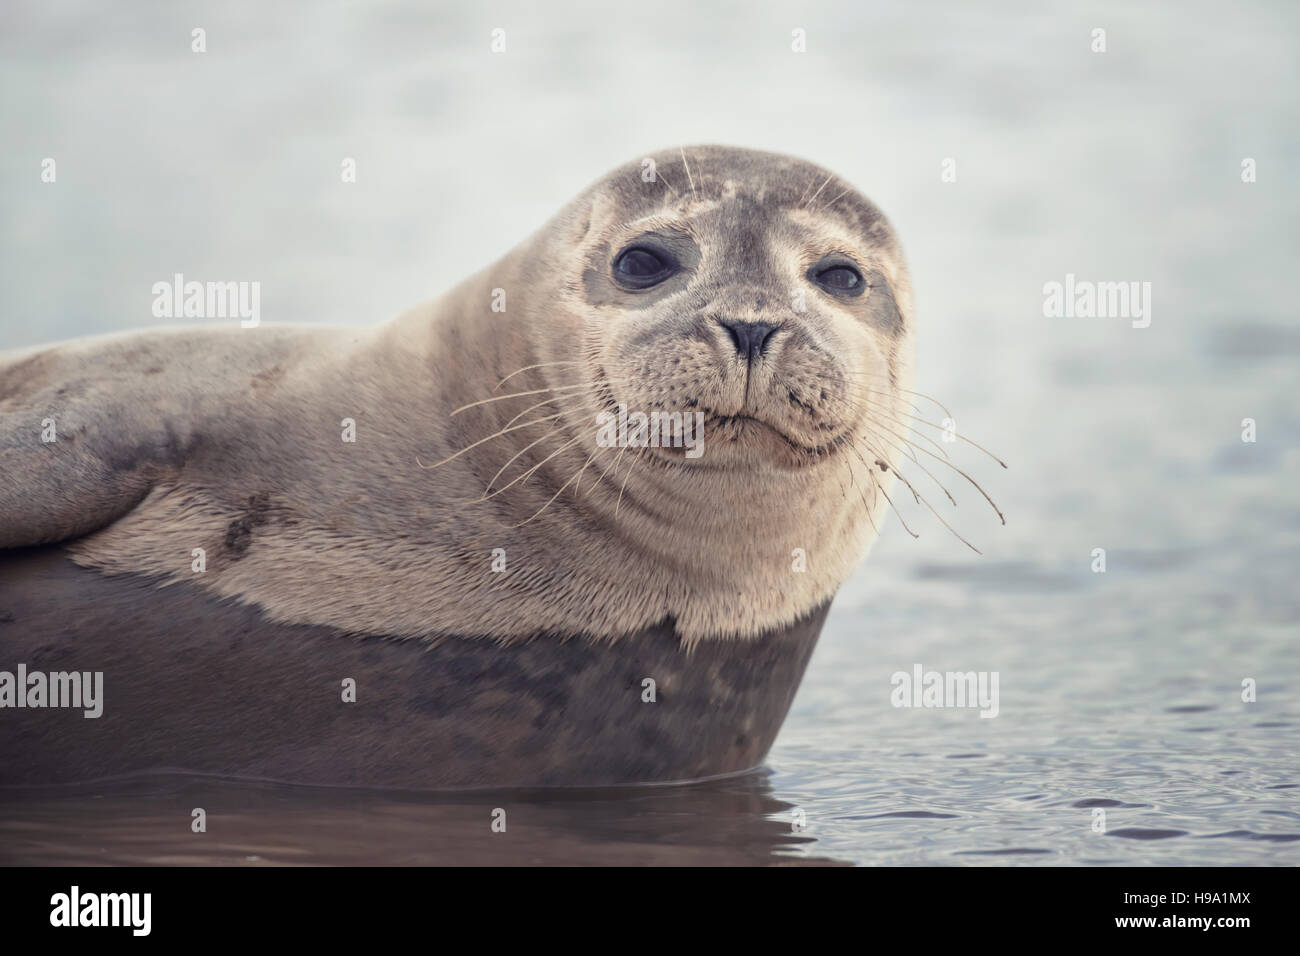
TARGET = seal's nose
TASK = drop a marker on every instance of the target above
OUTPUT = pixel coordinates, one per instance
(750, 338)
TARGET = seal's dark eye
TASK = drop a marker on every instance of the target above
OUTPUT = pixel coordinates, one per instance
(841, 279)
(640, 268)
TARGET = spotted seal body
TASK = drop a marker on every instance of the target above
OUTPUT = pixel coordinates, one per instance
(517, 602)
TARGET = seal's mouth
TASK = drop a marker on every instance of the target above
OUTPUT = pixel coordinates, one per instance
(742, 424)
(744, 433)
(744, 429)
(767, 427)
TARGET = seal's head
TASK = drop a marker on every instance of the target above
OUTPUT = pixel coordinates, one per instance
(759, 290)
(757, 299)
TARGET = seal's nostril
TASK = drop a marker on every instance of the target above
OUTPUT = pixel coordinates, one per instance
(749, 338)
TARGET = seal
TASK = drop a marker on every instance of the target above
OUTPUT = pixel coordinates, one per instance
(434, 553)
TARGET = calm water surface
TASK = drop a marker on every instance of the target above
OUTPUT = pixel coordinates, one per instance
(1118, 690)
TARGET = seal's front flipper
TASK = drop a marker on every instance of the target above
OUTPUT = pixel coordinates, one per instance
(73, 458)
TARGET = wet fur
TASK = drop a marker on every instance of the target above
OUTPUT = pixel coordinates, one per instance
(196, 684)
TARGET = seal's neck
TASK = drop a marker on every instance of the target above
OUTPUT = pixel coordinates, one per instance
(726, 551)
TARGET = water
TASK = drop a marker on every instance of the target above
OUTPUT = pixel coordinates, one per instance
(1118, 691)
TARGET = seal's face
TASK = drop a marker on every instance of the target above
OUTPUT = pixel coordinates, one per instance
(765, 295)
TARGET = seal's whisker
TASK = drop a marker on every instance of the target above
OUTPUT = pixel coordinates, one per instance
(524, 476)
(955, 434)
(558, 398)
(614, 465)
(844, 492)
(666, 182)
(960, 437)
(923, 420)
(619, 504)
(496, 434)
(804, 193)
(944, 461)
(875, 377)
(839, 196)
(863, 495)
(863, 405)
(819, 191)
(911, 454)
(689, 177)
(535, 391)
(527, 367)
(557, 494)
(921, 499)
(901, 519)
(941, 405)
(577, 488)
(512, 458)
